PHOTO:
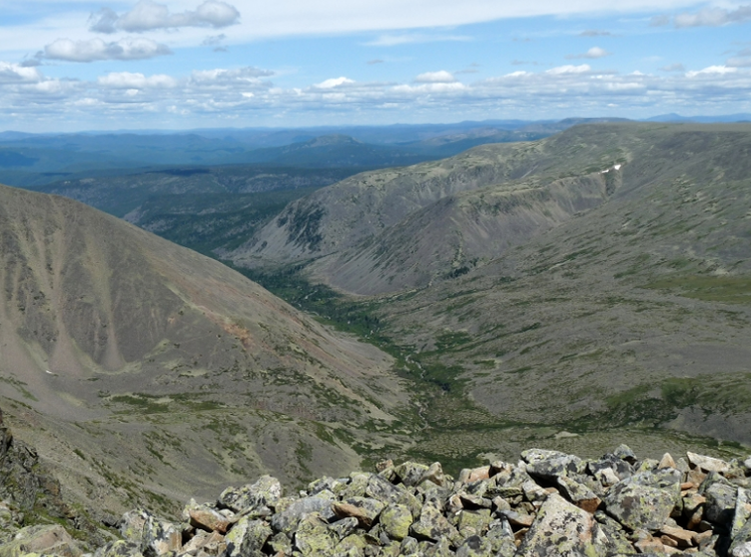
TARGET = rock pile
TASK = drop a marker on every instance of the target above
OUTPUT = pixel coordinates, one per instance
(549, 503)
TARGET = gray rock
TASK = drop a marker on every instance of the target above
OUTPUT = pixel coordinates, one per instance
(433, 526)
(624, 452)
(644, 500)
(721, 499)
(289, 518)
(313, 537)
(475, 546)
(396, 520)
(549, 465)
(707, 463)
(741, 544)
(264, 492)
(119, 548)
(42, 539)
(561, 529)
(410, 473)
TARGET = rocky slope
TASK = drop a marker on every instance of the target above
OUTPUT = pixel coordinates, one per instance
(548, 503)
(120, 346)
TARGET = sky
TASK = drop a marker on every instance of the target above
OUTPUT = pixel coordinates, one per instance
(71, 65)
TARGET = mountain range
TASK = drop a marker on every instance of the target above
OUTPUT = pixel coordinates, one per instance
(564, 291)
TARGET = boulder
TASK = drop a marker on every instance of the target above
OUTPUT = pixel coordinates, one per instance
(247, 537)
(644, 500)
(560, 529)
(266, 491)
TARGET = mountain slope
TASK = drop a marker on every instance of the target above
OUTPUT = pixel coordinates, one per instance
(112, 338)
(630, 311)
(449, 216)
(635, 314)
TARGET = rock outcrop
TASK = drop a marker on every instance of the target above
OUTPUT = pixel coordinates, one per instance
(547, 504)
(32, 509)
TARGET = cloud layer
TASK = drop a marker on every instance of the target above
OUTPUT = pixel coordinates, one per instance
(97, 49)
(148, 16)
(226, 94)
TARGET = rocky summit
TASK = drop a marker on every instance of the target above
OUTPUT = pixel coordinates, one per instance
(548, 503)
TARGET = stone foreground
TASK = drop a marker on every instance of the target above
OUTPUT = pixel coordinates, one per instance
(547, 504)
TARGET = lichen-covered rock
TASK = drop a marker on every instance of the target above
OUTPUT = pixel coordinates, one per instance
(206, 518)
(549, 465)
(364, 509)
(131, 525)
(247, 537)
(264, 492)
(160, 536)
(433, 526)
(721, 499)
(560, 529)
(475, 546)
(741, 542)
(472, 522)
(41, 539)
(644, 500)
(707, 463)
(119, 548)
(614, 506)
(501, 538)
(314, 537)
(580, 495)
(410, 473)
(609, 536)
(395, 520)
(288, 519)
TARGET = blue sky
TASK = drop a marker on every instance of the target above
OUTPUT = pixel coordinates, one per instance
(81, 65)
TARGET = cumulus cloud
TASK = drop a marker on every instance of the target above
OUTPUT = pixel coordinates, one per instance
(569, 69)
(334, 82)
(17, 73)
(441, 76)
(97, 49)
(711, 71)
(128, 80)
(148, 15)
(592, 53)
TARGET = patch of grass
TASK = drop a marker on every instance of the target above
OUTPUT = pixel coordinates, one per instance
(725, 289)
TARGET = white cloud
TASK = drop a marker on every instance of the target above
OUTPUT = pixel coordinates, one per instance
(592, 53)
(441, 76)
(569, 69)
(713, 17)
(225, 77)
(17, 73)
(334, 82)
(711, 70)
(135, 81)
(97, 49)
(148, 15)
